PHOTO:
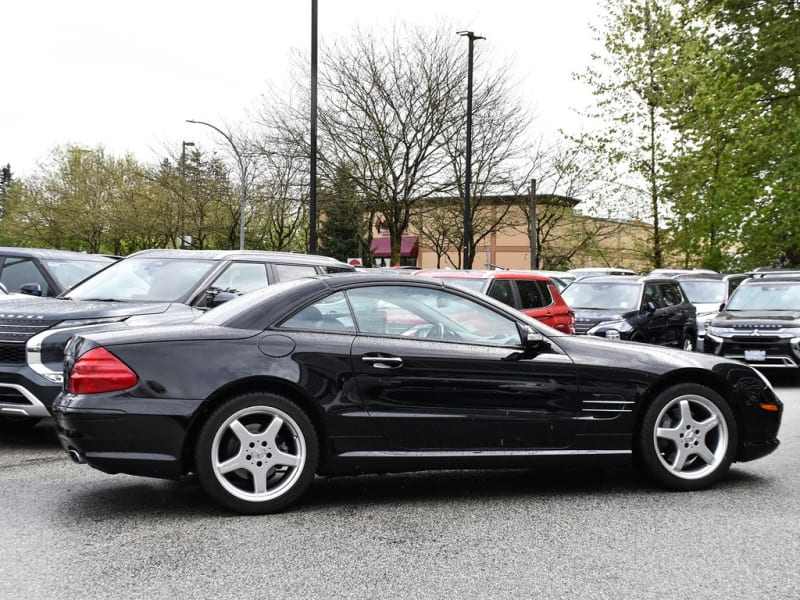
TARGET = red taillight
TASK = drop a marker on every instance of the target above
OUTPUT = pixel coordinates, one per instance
(100, 371)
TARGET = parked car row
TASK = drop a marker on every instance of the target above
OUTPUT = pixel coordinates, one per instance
(257, 371)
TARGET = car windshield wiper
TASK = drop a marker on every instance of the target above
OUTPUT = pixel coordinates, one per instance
(99, 299)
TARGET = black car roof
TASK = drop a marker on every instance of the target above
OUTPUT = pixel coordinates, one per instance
(49, 253)
(245, 255)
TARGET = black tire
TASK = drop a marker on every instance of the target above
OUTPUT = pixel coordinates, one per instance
(688, 437)
(689, 342)
(12, 424)
(271, 451)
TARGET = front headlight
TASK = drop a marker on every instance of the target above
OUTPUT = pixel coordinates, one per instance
(712, 330)
(611, 329)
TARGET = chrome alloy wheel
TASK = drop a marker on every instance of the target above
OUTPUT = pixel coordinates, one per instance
(258, 453)
(691, 437)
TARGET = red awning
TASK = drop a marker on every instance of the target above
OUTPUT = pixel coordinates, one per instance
(381, 247)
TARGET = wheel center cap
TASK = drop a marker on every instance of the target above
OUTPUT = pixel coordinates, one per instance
(260, 453)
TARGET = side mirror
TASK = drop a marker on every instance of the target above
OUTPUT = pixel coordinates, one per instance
(651, 308)
(220, 298)
(721, 307)
(533, 344)
(32, 289)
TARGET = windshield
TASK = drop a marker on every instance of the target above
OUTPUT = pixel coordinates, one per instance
(144, 280)
(766, 296)
(705, 292)
(602, 296)
(70, 272)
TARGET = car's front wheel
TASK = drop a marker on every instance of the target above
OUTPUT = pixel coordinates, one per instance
(688, 437)
(257, 453)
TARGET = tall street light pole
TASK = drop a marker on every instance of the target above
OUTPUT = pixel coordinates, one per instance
(312, 199)
(242, 175)
(182, 233)
(467, 261)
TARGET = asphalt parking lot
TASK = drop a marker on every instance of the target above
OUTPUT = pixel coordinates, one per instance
(68, 531)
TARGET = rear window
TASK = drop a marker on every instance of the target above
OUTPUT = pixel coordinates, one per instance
(534, 294)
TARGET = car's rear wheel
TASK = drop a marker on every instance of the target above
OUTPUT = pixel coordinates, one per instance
(257, 453)
(14, 424)
(688, 437)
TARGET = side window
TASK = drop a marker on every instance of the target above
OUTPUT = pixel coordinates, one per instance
(533, 294)
(241, 278)
(651, 295)
(671, 294)
(329, 314)
(432, 314)
(19, 271)
(503, 291)
(289, 272)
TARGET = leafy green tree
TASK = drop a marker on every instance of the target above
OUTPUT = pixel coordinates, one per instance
(345, 231)
(632, 92)
(734, 173)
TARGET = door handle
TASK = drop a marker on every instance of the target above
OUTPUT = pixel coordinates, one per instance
(383, 362)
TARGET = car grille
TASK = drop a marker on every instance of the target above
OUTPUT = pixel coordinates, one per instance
(754, 343)
(13, 335)
(583, 328)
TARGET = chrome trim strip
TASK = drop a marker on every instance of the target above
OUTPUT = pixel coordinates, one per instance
(36, 408)
(609, 401)
(478, 453)
(611, 410)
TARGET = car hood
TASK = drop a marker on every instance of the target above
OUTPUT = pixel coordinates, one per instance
(635, 356)
(704, 308)
(743, 317)
(594, 315)
(54, 309)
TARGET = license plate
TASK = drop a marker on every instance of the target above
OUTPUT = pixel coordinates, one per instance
(755, 355)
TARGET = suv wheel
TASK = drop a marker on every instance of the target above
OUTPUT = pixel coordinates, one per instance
(689, 341)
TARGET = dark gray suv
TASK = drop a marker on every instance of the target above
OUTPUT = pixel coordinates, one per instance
(654, 310)
(145, 288)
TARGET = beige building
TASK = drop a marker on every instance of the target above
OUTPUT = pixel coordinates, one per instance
(566, 238)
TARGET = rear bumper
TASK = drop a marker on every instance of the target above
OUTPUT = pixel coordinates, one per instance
(139, 436)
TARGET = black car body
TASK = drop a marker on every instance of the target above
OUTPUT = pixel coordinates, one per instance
(376, 373)
(653, 310)
(146, 287)
(760, 324)
(44, 272)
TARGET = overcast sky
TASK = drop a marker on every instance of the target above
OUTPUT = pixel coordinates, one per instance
(127, 74)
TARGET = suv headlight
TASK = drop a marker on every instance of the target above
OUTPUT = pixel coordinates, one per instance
(612, 330)
(716, 330)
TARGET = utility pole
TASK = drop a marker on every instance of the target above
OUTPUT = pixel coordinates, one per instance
(466, 262)
(534, 234)
(182, 208)
(312, 199)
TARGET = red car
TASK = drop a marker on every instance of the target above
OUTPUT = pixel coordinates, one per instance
(529, 292)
